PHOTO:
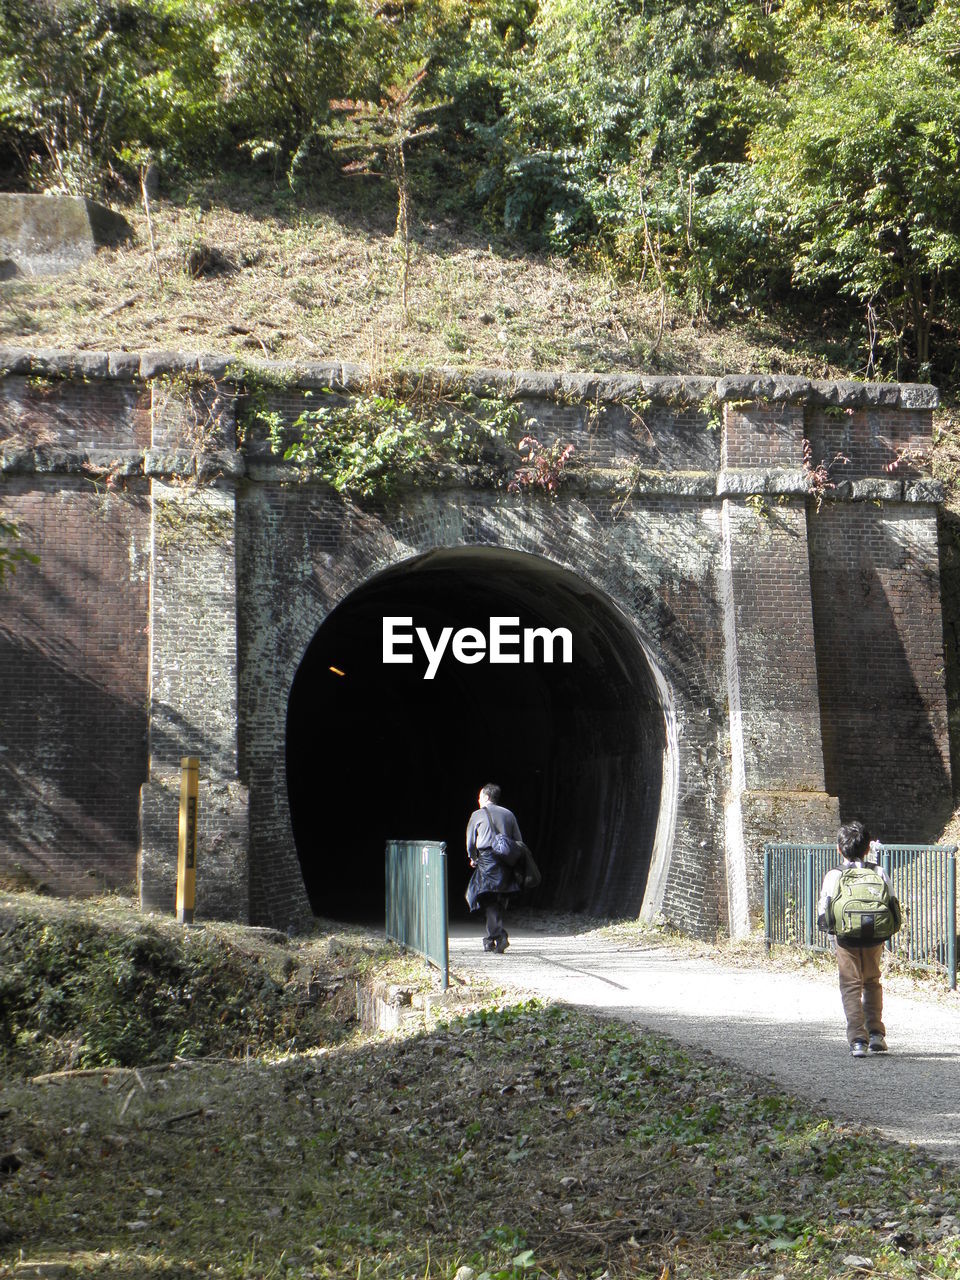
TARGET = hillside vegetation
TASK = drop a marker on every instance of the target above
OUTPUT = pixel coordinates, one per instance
(671, 172)
(248, 268)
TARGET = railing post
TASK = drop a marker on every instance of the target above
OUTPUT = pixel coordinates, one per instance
(767, 896)
(810, 904)
(952, 920)
(886, 864)
(445, 935)
(416, 899)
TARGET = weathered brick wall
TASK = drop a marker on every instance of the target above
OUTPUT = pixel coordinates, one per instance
(73, 671)
(193, 631)
(193, 698)
(781, 633)
(949, 531)
(773, 632)
(303, 550)
(761, 436)
(73, 634)
(859, 442)
(776, 781)
(614, 423)
(879, 642)
(53, 416)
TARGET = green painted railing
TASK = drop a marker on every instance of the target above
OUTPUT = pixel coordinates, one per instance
(417, 899)
(924, 879)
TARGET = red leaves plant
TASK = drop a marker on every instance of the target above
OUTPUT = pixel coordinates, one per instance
(905, 457)
(818, 476)
(542, 467)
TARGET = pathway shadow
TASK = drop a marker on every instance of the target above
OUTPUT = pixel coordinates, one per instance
(776, 1026)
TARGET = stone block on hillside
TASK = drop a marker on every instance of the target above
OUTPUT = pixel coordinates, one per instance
(14, 360)
(48, 235)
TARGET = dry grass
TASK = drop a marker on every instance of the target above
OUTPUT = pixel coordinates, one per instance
(318, 278)
(521, 1140)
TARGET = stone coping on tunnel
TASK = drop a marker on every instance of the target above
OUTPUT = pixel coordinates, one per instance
(126, 464)
(129, 366)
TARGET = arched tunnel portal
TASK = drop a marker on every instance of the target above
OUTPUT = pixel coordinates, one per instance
(375, 751)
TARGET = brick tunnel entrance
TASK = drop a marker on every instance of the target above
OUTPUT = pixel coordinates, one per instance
(376, 751)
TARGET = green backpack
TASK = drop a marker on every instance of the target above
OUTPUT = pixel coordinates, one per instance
(863, 910)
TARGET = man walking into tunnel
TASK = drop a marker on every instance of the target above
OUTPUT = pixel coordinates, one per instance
(493, 878)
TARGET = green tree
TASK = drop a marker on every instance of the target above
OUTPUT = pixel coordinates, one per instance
(862, 157)
(278, 64)
(81, 80)
(378, 132)
(470, 56)
(426, 68)
(626, 131)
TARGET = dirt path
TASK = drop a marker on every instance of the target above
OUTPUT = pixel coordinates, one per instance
(784, 1025)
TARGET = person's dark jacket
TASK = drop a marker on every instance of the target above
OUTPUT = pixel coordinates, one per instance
(490, 874)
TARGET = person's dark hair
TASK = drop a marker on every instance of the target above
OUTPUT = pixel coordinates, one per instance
(492, 792)
(853, 840)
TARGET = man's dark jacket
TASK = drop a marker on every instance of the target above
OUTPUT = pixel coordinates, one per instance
(490, 874)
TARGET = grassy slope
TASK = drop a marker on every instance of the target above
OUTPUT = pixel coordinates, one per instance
(317, 276)
(517, 1139)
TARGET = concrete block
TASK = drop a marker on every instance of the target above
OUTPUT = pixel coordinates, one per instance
(123, 366)
(14, 360)
(47, 235)
(157, 364)
(731, 482)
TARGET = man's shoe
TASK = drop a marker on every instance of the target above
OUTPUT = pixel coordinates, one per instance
(859, 1049)
(878, 1044)
(489, 944)
(501, 945)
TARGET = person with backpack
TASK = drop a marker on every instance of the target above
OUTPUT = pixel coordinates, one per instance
(858, 908)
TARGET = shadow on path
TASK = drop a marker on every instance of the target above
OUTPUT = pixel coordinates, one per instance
(785, 1027)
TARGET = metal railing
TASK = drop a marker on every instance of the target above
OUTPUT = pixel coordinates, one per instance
(924, 879)
(416, 874)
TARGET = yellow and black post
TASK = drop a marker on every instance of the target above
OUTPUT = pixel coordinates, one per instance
(187, 846)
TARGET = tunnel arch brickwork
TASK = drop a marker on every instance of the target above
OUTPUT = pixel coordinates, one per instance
(691, 512)
(329, 556)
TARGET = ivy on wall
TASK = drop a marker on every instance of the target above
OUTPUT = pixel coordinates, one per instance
(367, 445)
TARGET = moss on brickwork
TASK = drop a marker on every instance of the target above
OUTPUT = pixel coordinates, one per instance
(191, 522)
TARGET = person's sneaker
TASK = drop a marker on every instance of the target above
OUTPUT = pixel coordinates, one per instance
(489, 944)
(878, 1044)
(502, 944)
(859, 1049)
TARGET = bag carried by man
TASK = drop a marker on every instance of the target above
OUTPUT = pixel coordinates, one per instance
(863, 911)
(506, 849)
(516, 855)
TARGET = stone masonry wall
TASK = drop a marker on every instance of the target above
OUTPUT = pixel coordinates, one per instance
(789, 610)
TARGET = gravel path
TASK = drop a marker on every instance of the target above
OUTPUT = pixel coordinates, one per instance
(784, 1025)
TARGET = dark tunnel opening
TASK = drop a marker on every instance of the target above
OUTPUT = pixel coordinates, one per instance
(375, 751)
